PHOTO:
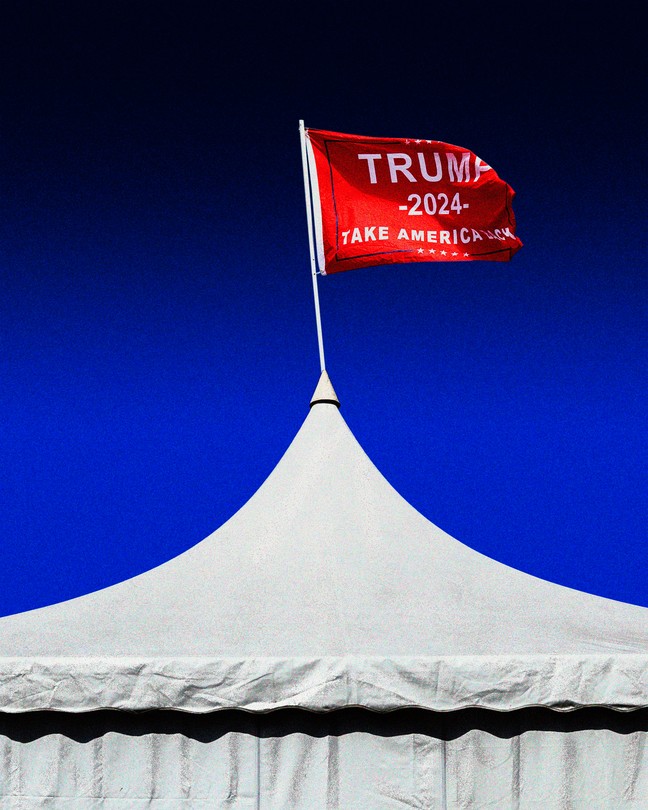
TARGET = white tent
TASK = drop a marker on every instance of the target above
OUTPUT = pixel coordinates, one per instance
(439, 677)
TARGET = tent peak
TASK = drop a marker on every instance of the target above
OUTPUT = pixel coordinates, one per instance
(324, 393)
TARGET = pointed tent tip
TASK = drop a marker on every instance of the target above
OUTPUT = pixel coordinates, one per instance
(324, 393)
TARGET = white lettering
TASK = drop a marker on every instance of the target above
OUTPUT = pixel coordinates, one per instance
(430, 164)
(450, 237)
(439, 172)
(371, 165)
(383, 232)
(345, 236)
(406, 162)
(480, 168)
(369, 233)
(357, 236)
(454, 168)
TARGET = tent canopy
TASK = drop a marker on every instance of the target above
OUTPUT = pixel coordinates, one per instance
(327, 589)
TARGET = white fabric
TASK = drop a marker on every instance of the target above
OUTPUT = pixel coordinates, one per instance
(323, 684)
(324, 391)
(279, 769)
(327, 589)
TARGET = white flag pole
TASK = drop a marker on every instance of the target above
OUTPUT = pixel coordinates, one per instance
(309, 220)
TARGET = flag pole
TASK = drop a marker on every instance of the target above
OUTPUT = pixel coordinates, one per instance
(309, 220)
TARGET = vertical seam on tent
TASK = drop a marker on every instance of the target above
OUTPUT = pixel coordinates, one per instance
(185, 766)
(632, 756)
(444, 762)
(258, 769)
(517, 757)
(153, 762)
(98, 767)
(332, 769)
(9, 768)
(19, 782)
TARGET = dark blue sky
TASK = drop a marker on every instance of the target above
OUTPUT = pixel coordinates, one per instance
(158, 345)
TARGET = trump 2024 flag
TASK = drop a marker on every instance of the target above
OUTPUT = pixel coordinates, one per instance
(399, 200)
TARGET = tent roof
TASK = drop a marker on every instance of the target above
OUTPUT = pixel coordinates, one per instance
(326, 589)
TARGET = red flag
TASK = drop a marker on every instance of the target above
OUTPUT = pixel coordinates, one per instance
(393, 200)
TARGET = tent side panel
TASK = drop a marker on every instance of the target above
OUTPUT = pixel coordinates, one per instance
(348, 759)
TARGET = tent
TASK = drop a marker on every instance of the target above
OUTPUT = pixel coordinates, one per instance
(327, 647)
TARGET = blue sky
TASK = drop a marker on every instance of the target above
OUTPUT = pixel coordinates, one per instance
(158, 336)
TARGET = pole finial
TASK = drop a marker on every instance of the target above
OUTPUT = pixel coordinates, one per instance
(325, 393)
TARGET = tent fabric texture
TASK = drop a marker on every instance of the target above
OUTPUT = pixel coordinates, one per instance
(327, 590)
(327, 647)
(588, 759)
